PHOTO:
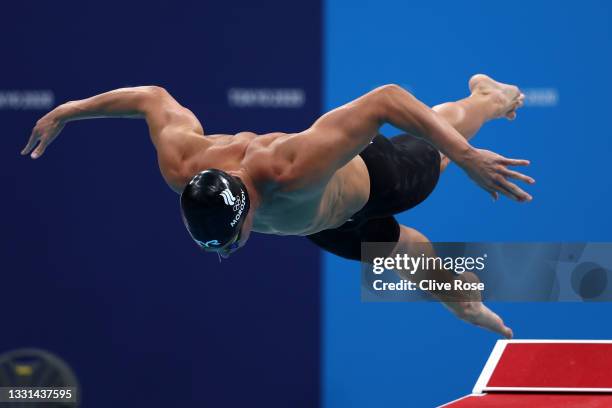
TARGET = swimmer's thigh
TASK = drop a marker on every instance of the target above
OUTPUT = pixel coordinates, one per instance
(346, 243)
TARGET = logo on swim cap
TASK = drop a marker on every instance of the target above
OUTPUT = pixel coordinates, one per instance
(228, 197)
(207, 244)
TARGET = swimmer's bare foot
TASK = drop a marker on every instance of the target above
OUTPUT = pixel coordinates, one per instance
(506, 99)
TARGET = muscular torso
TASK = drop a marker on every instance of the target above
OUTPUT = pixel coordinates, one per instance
(285, 209)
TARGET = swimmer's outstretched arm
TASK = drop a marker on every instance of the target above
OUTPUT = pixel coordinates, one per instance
(174, 129)
(344, 132)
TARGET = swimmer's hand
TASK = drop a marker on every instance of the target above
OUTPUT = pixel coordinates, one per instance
(490, 171)
(46, 130)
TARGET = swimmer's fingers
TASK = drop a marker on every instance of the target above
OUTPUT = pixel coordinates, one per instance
(34, 137)
(505, 192)
(508, 188)
(511, 190)
(514, 162)
(517, 176)
(492, 192)
(42, 146)
(45, 131)
(486, 169)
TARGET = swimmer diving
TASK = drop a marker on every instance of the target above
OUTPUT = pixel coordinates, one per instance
(338, 183)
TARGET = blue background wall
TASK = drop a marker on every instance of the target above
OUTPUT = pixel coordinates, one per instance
(418, 355)
(96, 265)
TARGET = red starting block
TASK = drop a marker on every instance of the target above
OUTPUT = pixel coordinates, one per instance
(542, 374)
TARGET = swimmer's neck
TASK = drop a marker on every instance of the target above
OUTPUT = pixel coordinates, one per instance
(253, 193)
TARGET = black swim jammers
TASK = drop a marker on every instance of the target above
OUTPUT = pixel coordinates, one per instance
(403, 171)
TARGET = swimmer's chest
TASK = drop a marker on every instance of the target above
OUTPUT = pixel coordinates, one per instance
(286, 215)
(304, 213)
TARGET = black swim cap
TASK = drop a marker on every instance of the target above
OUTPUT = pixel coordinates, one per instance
(214, 206)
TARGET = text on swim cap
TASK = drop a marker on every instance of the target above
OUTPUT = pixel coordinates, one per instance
(240, 208)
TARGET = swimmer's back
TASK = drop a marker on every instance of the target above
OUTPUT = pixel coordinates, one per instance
(288, 207)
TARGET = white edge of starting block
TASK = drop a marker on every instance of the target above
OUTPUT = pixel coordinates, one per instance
(460, 399)
(487, 371)
(498, 350)
(548, 389)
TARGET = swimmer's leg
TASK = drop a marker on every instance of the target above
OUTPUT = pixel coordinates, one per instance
(415, 244)
(488, 100)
